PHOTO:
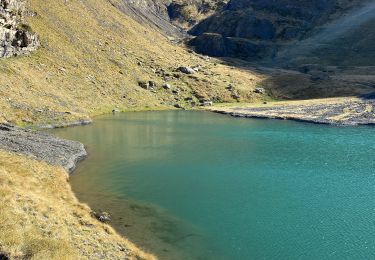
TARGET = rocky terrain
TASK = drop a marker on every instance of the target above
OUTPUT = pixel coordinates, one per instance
(16, 37)
(42, 146)
(252, 29)
(339, 111)
(170, 17)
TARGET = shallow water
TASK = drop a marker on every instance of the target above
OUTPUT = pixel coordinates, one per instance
(198, 185)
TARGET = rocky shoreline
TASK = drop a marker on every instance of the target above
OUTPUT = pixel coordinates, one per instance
(334, 111)
(42, 146)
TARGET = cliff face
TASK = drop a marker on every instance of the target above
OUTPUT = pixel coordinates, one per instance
(16, 37)
(171, 17)
(257, 28)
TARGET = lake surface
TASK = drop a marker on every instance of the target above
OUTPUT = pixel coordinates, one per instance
(198, 185)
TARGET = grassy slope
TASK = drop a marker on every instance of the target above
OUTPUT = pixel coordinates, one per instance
(88, 64)
(41, 219)
(91, 59)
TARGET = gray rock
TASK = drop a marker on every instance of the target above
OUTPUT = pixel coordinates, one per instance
(16, 38)
(152, 84)
(42, 146)
(167, 86)
(186, 70)
(102, 217)
(207, 103)
(144, 84)
(260, 91)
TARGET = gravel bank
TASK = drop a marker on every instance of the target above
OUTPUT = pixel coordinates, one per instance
(336, 111)
(42, 146)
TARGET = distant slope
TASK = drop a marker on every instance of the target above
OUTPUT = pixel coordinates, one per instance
(255, 29)
(347, 40)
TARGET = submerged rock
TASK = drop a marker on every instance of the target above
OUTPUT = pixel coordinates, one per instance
(102, 217)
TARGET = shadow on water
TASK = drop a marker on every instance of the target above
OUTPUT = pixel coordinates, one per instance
(145, 224)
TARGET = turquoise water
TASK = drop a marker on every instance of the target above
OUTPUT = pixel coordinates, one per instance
(198, 185)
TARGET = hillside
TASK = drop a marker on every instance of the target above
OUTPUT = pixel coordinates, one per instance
(64, 62)
(93, 59)
(252, 29)
(89, 58)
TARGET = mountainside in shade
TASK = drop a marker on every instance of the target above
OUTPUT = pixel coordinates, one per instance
(346, 41)
(255, 29)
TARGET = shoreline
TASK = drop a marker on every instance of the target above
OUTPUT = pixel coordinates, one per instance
(334, 111)
(42, 163)
(46, 149)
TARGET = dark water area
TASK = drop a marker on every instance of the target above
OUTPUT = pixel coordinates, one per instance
(198, 185)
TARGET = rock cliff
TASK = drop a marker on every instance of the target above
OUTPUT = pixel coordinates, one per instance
(171, 17)
(16, 37)
(254, 29)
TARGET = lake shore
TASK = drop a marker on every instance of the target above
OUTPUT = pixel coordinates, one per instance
(40, 215)
(333, 111)
(46, 161)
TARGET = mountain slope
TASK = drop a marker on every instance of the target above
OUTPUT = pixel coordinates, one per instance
(91, 60)
(254, 29)
(352, 35)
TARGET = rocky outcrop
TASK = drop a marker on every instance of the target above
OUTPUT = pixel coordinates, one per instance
(171, 17)
(151, 13)
(188, 13)
(16, 37)
(42, 146)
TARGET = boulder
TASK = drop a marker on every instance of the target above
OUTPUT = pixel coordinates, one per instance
(260, 91)
(186, 70)
(102, 217)
(167, 86)
(144, 84)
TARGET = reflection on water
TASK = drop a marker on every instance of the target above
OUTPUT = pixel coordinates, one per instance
(197, 185)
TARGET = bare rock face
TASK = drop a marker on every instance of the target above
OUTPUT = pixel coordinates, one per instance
(171, 17)
(255, 29)
(16, 37)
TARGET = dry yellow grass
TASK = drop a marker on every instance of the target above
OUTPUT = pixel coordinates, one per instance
(90, 61)
(40, 218)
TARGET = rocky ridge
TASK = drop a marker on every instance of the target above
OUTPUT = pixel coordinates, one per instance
(16, 37)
